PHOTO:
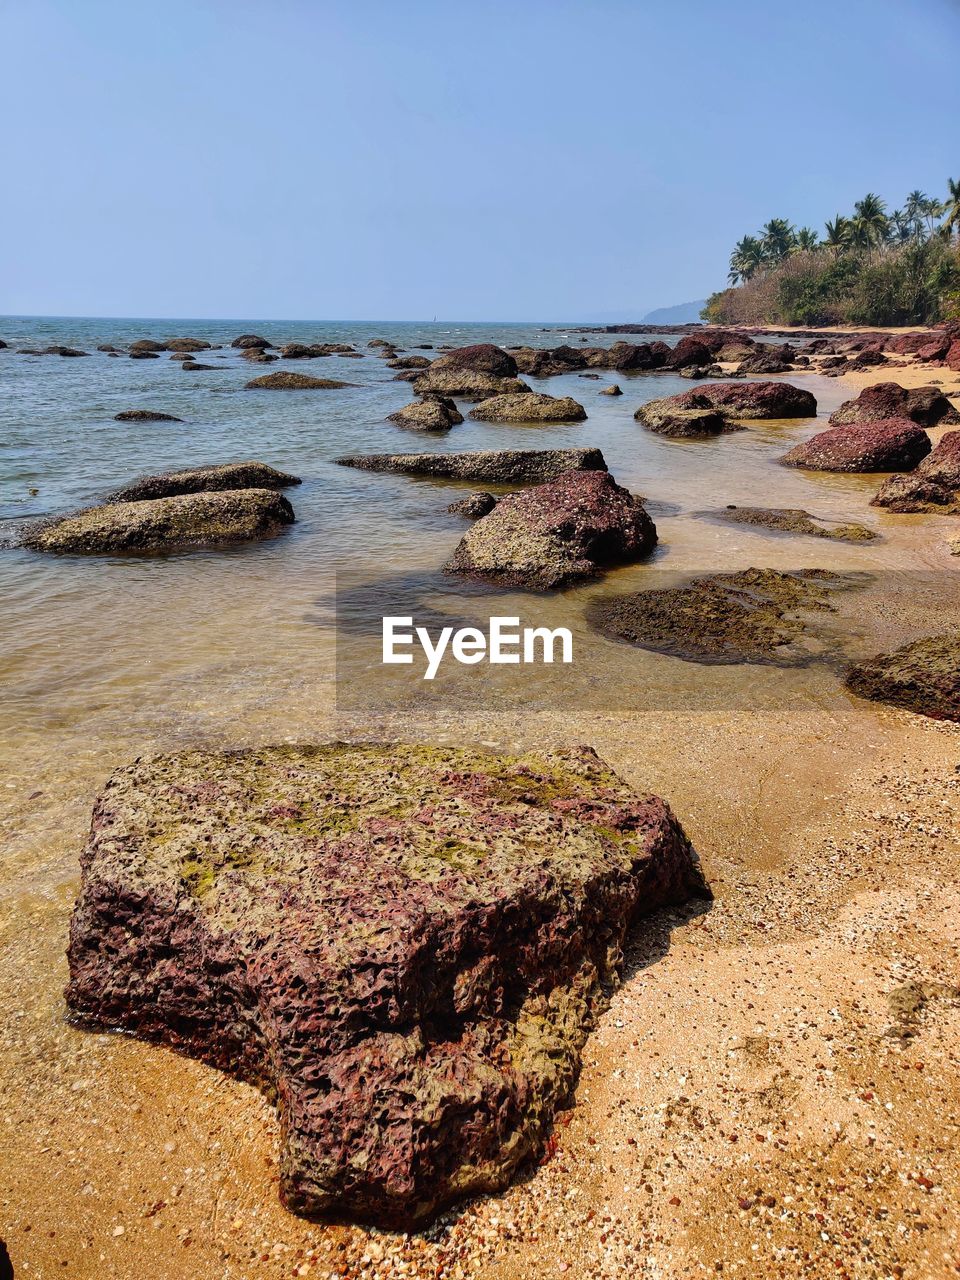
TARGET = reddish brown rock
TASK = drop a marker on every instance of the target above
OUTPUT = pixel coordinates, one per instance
(565, 531)
(933, 486)
(402, 946)
(952, 358)
(689, 351)
(250, 341)
(893, 444)
(484, 357)
(927, 406)
(293, 382)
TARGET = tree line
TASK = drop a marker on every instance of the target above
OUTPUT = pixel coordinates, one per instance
(871, 266)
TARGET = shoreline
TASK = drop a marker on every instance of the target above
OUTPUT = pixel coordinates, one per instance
(833, 832)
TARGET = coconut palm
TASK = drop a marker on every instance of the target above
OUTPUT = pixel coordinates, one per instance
(746, 259)
(951, 207)
(779, 238)
(870, 220)
(838, 232)
(901, 227)
(806, 239)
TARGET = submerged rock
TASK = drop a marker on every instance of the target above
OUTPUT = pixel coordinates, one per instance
(564, 531)
(749, 616)
(923, 676)
(467, 384)
(435, 413)
(612, 390)
(473, 506)
(283, 380)
(147, 344)
(144, 415)
(490, 466)
(483, 357)
(143, 354)
(795, 520)
(187, 344)
(529, 407)
(927, 406)
(933, 486)
(228, 475)
(164, 524)
(404, 947)
(408, 362)
(256, 355)
(892, 444)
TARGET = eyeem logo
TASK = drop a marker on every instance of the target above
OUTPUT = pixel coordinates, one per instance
(503, 643)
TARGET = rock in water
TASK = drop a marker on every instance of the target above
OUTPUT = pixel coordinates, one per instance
(473, 506)
(665, 419)
(403, 946)
(468, 384)
(286, 381)
(794, 520)
(164, 524)
(564, 531)
(250, 341)
(144, 415)
(530, 407)
(612, 390)
(923, 676)
(228, 475)
(748, 616)
(892, 444)
(933, 486)
(927, 406)
(484, 357)
(436, 413)
(488, 466)
(750, 400)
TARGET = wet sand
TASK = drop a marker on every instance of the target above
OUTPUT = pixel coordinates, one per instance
(758, 1099)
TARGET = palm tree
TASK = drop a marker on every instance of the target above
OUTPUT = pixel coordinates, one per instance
(778, 238)
(901, 227)
(746, 259)
(838, 232)
(915, 211)
(951, 207)
(870, 220)
(806, 239)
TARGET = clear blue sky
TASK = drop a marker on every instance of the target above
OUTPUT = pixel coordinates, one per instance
(386, 160)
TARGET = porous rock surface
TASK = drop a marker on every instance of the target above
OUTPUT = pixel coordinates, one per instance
(664, 418)
(164, 524)
(923, 676)
(435, 413)
(402, 946)
(932, 486)
(473, 506)
(489, 466)
(564, 531)
(891, 444)
(464, 383)
(927, 406)
(144, 415)
(227, 475)
(530, 407)
(284, 380)
(794, 520)
(482, 357)
(754, 615)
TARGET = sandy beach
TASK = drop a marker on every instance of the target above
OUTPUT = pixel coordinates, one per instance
(774, 1089)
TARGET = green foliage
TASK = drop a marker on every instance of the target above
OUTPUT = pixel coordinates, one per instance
(872, 267)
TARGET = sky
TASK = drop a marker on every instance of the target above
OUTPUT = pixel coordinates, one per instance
(405, 159)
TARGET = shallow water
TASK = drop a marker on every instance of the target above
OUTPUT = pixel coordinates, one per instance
(103, 658)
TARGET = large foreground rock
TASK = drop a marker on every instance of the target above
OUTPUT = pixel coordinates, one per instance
(489, 466)
(893, 444)
(403, 946)
(165, 524)
(283, 380)
(564, 531)
(927, 406)
(530, 407)
(436, 413)
(466, 384)
(227, 475)
(923, 676)
(933, 486)
(483, 357)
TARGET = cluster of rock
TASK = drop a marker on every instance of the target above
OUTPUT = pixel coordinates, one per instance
(174, 511)
(932, 486)
(404, 947)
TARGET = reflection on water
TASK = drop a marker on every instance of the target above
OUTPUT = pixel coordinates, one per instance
(105, 658)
